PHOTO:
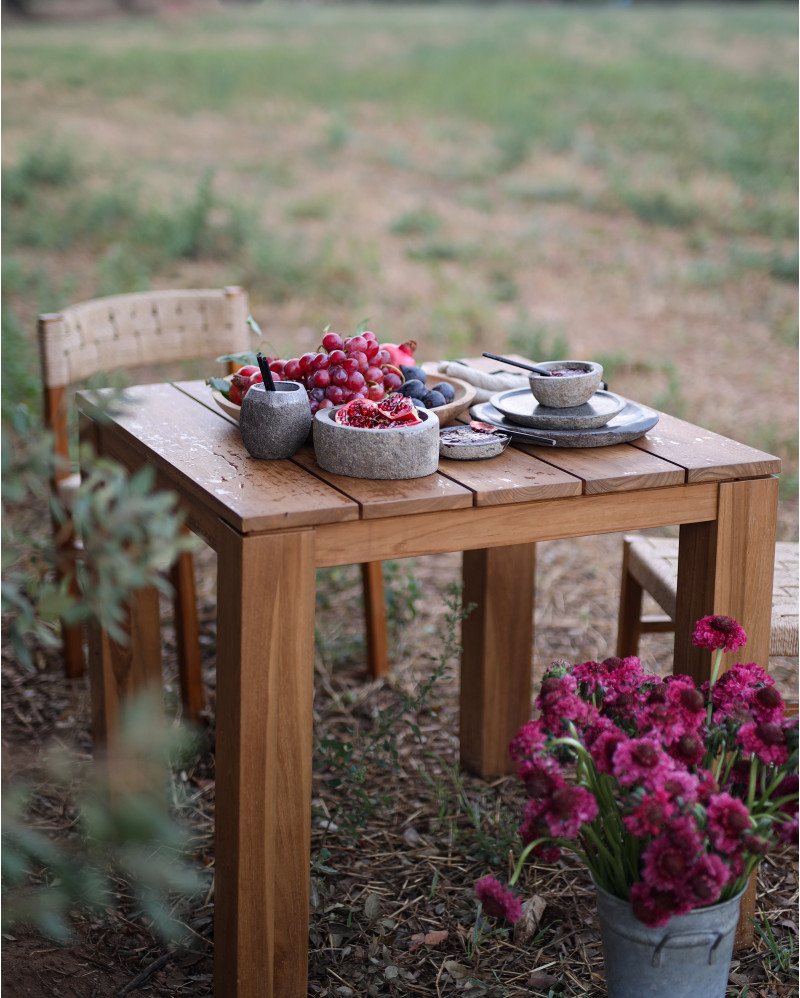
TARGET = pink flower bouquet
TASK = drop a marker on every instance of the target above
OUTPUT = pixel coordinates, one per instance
(670, 794)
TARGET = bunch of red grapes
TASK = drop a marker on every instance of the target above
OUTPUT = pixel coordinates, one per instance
(344, 369)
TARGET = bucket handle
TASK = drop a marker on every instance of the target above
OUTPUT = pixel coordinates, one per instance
(710, 939)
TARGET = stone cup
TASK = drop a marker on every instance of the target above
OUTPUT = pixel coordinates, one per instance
(275, 424)
(573, 383)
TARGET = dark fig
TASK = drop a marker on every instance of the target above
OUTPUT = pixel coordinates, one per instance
(446, 389)
(434, 399)
(413, 373)
(414, 389)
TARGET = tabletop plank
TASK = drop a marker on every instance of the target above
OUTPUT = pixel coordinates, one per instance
(618, 468)
(511, 477)
(200, 392)
(378, 498)
(706, 456)
(173, 432)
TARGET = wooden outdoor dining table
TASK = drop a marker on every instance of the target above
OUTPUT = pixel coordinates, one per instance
(273, 523)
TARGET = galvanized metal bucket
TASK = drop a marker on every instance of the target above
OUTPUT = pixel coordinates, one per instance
(689, 957)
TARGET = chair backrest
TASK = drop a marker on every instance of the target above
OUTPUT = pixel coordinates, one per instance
(133, 330)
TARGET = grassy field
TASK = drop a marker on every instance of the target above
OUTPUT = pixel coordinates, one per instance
(605, 182)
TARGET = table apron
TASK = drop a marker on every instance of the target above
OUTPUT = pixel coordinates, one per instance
(498, 526)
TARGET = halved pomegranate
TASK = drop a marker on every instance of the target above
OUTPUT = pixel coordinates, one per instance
(363, 413)
(399, 409)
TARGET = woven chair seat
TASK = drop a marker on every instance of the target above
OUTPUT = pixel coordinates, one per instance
(653, 562)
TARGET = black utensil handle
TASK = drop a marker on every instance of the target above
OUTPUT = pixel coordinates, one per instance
(516, 363)
(266, 374)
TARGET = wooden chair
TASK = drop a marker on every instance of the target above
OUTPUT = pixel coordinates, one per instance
(134, 330)
(650, 564)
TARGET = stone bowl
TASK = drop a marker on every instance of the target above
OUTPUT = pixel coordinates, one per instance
(569, 389)
(410, 452)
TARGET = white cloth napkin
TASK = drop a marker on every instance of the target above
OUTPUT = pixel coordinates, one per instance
(485, 384)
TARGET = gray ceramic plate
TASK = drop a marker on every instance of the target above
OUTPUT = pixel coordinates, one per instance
(522, 408)
(462, 443)
(629, 424)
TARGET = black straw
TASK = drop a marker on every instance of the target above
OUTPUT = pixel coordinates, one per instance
(269, 384)
(517, 363)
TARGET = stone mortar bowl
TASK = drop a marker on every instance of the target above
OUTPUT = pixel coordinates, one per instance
(275, 425)
(410, 452)
(567, 390)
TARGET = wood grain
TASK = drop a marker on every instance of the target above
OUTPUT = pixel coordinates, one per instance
(190, 665)
(726, 567)
(511, 477)
(119, 670)
(618, 468)
(377, 498)
(265, 664)
(375, 619)
(496, 662)
(497, 526)
(706, 456)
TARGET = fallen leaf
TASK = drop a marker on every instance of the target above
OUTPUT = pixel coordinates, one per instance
(432, 938)
(527, 926)
(457, 970)
(412, 836)
(542, 982)
(372, 907)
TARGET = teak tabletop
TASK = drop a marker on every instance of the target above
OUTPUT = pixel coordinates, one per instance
(273, 523)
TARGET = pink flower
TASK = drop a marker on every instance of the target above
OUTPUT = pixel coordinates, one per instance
(626, 674)
(667, 860)
(567, 809)
(659, 718)
(718, 632)
(641, 760)
(687, 699)
(604, 747)
(541, 776)
(682, 786)
(531, 827)
(553, 690)
(499, 901)
(758, 845)
(548, 852)
(788, 831)
(766, 704)
(530, 740)
(591, 676)
(707, 878)
(655, 907)
(727, 819)
(650, 814)
(764, 740)
(688, 749)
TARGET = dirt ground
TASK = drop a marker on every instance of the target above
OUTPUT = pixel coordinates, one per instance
(409, 869)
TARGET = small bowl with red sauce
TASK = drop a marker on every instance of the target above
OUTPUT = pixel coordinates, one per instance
(572, 382)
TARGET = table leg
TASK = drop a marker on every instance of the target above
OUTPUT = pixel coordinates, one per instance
(726, 567)
(265, 672)
(375, 619)
(119, 671)
(496, 661)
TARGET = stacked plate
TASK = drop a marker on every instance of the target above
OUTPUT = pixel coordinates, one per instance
(604, 420)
